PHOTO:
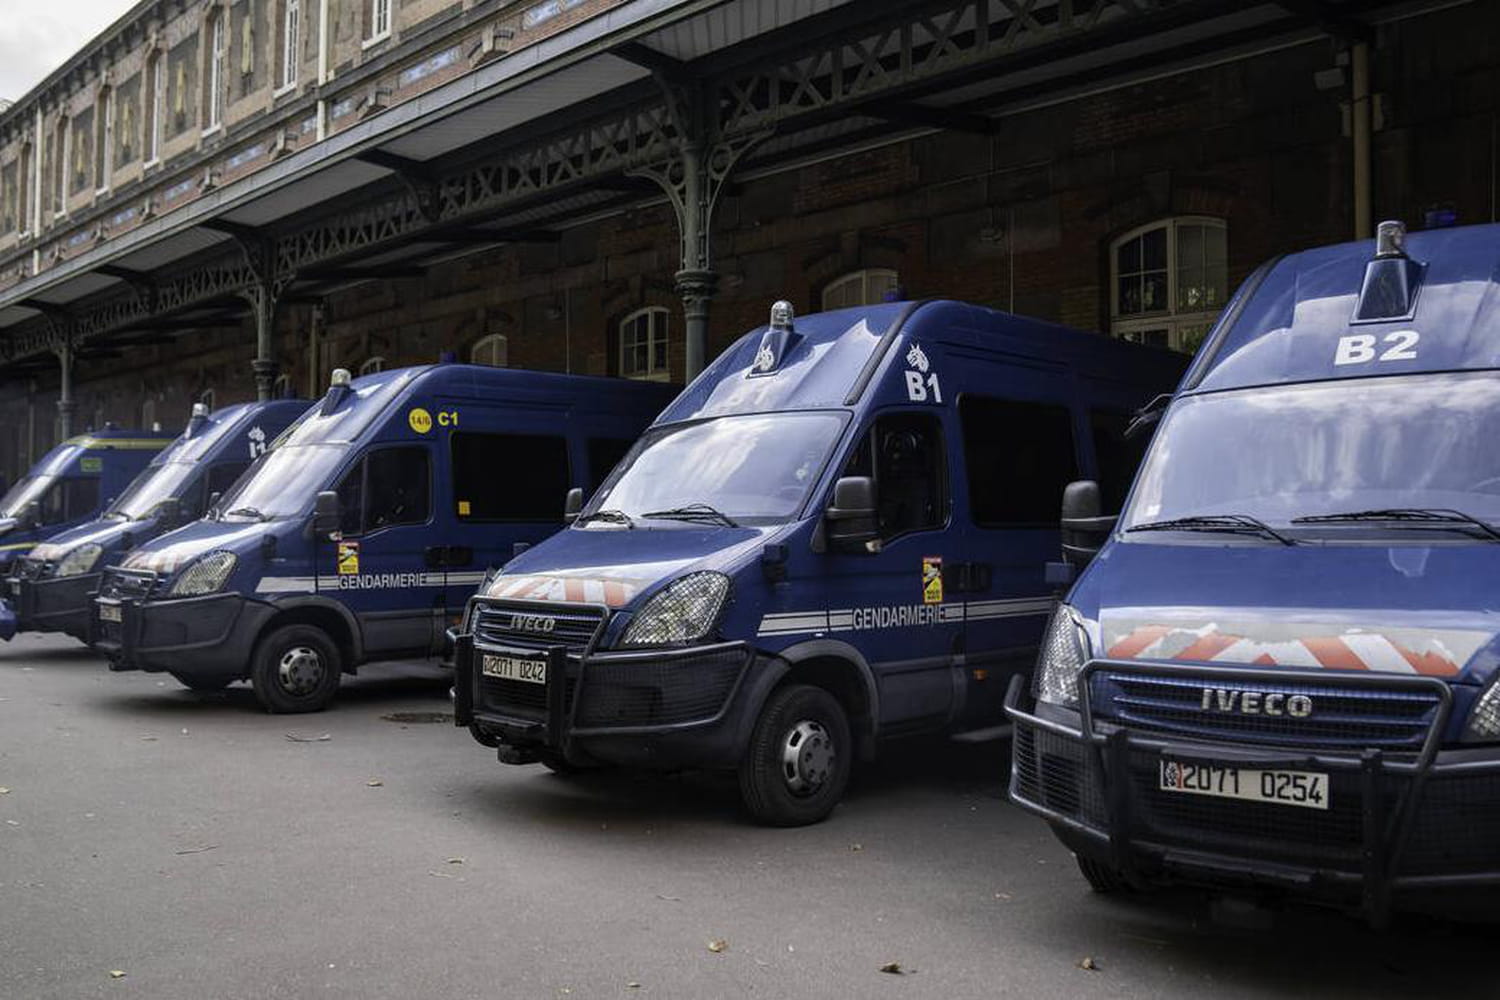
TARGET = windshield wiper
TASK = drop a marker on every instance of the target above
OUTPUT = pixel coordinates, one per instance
(695, 512)
(608, 514)
(1232, 524)
(249, 512)
(1411, 517)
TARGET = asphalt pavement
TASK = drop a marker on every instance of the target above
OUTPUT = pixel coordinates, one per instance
(202, 848)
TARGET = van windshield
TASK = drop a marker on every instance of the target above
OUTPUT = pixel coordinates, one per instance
(754, 469)
(1284, 452)
(282, 482)
(160, 482)
(27, 489)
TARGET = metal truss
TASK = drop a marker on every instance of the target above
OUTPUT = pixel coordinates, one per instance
(870, 52)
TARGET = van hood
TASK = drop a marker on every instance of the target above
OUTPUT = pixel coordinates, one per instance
(616, 566)
(166, 553)
(105, 533)
(1400, 609)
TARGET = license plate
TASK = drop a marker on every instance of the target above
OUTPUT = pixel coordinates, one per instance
(514, 668)
(1308, 789)
(109, 613)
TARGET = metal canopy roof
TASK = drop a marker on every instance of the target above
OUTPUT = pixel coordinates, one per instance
(551, 134)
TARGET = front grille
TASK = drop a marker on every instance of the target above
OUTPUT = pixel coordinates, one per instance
(1456, 827)
(1344, 716)
(1060, 774)
(127, 584)
(658, 691)
(519, 699)
(503, 623)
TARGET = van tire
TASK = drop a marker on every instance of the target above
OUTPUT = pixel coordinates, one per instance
(202, 685)
(1103, 879)
(295, 669)
(800, 755)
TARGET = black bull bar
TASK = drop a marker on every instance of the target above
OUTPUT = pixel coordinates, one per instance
(1421, 821)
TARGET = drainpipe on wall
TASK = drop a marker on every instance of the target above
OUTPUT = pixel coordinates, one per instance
(1360, 128)
(36, 194)
(314, 359)
(323, 75)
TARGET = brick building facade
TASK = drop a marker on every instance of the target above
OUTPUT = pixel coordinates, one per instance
(1134, 209)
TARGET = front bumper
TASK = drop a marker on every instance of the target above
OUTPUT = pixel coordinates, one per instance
(209, 637)
(669, 708)
(55, 604)
(1415, 825)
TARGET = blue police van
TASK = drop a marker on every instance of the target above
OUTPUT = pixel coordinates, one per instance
(1279, 673)
(363, 531)
(73, 483)
(51, 588)
(835, 534)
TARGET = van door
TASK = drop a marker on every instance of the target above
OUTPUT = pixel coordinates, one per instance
(1018, 454)
(378, 566)
(889, 603)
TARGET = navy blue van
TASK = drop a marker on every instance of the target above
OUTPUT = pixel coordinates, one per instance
(836, 533)
(1281, 672)
(52, 586)
(73, 483)
(362, 533)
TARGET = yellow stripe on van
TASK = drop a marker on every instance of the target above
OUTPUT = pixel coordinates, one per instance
(127, 444)
(17, 545)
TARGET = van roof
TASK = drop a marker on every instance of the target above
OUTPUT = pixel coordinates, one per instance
(193, 445)
(835, 357)
(1286, 322)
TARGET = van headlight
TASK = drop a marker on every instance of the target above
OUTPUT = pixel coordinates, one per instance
(79, 560)
(1484, 718)
(1065, 649)
(205, 576)
(683, 611)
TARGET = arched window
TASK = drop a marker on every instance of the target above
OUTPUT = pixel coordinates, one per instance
(1168, 281)
(643, 345)
(372, 365)
(213, 103)
(861, 288)
(493, 350)
(156, 105)
(281, 387)
(291, 42)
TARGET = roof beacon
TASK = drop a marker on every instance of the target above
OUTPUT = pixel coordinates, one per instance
(196, 421)
(1391, 280)
(338, 390)
(776, 342)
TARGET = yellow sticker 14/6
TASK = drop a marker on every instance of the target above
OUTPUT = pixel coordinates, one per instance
(932, 579)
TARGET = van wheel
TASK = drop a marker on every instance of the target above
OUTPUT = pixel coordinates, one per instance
(797, 765)
(295, 669)
(202, 685)
(1103, 878)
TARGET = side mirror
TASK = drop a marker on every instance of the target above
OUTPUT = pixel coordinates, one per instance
(1084, 528)
(851, 516)
(213, 500)
(169, 511)
(573, 505)
(327, 513)
(30, 515)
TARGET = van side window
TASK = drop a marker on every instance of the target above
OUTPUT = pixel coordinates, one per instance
(903, 453)
(1019, 458)
(604, 455)
(1116, 457)
(69, 499)
(220, 477)
(389, 486)
(509, 477)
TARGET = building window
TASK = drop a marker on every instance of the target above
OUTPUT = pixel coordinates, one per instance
(861, 288)
(215, 97)
(493, 350)
(126, 99)
(23, 189)
(372, 365)
(1169, 281)
(643, 345)
(291, 28)
(156, 106)
(380, 18)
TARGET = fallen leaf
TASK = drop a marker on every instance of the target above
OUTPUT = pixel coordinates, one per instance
(856, 847)
(717, 945)
(1002, 895)
(148, 739)
(894, 968)
(1087, 962)
(199, 850)
(4, 790)
(308, 739)
(116, 974)
(374, 782)
(438, 874)
(669, 899)
(632, 986)
(455, 861)
(184, 732)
